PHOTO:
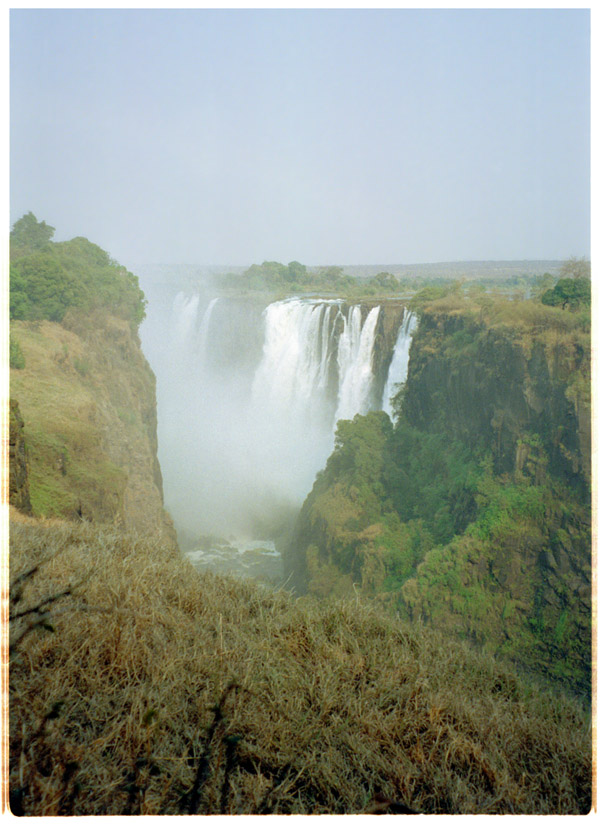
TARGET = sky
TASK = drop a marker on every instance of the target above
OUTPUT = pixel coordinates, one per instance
(326, 136)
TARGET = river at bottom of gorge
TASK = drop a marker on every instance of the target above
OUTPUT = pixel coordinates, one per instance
(245, 558)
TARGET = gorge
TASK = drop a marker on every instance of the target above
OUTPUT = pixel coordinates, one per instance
(249, 395)
(471, 513)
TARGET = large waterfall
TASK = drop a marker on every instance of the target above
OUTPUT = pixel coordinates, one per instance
(249, 397)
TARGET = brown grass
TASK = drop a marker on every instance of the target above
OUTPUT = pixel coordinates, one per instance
(161, 690)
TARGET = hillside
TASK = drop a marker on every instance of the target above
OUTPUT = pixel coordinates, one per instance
(160, 690)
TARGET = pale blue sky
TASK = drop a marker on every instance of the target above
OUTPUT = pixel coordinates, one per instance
(340, 136)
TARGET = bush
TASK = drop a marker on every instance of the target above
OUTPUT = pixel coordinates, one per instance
(82, 365)
(16, 356)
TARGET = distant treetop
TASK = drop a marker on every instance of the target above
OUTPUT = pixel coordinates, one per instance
(576, 268)
(28, 235)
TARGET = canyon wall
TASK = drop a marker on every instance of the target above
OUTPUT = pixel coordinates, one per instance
(473, 514)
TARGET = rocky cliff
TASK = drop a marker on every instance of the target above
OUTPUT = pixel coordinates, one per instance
(473, 513)
(87, 397)
(497, 383)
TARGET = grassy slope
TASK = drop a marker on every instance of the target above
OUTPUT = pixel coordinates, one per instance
(87, 399)
(114, 711)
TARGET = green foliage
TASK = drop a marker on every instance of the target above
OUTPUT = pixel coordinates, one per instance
(82, 366)
(431, 477)
(499, 502)
(434, 292)
(387, 281)
(16, 356)
(28, 235)
(48, 278)
(296, 278)
(569, 292)
(359, 448)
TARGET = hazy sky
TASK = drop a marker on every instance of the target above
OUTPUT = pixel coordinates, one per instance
(340, 136)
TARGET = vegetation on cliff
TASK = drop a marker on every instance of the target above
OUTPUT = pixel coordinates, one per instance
(85, 391)
(473, 512)
(139, 686)
(47, 278)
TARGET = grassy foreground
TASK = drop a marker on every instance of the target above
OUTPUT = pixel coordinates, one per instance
(151, 688)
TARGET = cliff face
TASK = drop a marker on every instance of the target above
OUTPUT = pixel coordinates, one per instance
(87, 396)
(496, 384)
(473, 514)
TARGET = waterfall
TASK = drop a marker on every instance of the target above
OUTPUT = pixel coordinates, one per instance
(399, 366)
(355, 357)
(185, 313)
(203, 333)
(291, 378)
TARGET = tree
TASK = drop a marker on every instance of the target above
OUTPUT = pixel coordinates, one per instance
(541, 284)
(296, 271)
(576, 268)
(386, 281)
(29, 235)
(571, 292)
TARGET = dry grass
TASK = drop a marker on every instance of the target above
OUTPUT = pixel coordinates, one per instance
(161, 690)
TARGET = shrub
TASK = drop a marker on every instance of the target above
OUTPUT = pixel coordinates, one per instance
(16, 356)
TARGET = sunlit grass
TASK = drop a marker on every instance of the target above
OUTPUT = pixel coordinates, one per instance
(161, 690)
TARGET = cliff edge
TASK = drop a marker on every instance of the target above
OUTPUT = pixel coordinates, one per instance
(83, 399)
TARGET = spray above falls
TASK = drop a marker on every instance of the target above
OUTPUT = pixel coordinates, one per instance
(249, 397)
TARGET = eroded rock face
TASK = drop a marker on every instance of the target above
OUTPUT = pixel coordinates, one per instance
(18, 466)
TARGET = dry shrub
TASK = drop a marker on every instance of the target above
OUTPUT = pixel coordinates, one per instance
(160, 690)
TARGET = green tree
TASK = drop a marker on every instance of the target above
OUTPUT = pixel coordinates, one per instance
(569, 292)
(296, 271)
(47, 278)
(386, 281)
(29, 235)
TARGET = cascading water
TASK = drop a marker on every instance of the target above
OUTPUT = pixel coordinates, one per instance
(203, 331)
(355, 358)
(291, 380)
(185, 313)
(245, 425)
(399, 366)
